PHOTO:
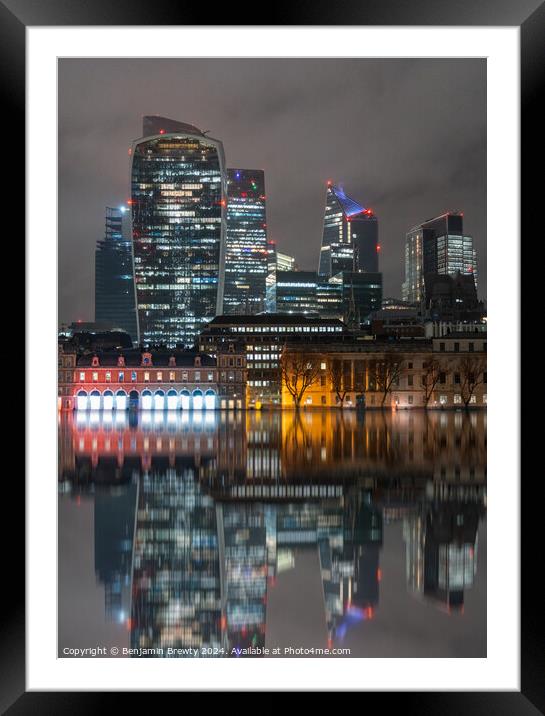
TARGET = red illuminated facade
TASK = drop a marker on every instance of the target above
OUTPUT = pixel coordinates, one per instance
(176, 380)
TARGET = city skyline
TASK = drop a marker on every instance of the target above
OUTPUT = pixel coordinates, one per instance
(393, 187)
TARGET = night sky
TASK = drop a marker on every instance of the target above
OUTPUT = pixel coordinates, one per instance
(406, 138)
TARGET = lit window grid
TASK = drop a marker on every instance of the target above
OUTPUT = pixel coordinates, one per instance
(178, 231)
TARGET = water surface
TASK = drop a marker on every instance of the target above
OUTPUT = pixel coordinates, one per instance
(233, 534)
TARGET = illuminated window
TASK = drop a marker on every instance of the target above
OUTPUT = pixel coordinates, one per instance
(108, 376)
(146, 377)
(82, 376)
(457, 399)
(323, 366)
(210, 377)
(95, 377)
(197, 375)
(120, 377)
(172, 376)
(159, 375)
(133, 376)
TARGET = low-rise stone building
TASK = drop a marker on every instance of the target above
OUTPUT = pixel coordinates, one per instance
(448, 372)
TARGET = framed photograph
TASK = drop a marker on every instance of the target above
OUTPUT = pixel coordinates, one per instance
(268, 297)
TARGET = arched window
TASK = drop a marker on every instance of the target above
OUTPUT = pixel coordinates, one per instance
(107, 400)
(185, 399)
(198, 400)
(159, 400)
(209, 400)
(172, 399)
(147, 400)
(81, 400)
(94, 400)
(121, 400)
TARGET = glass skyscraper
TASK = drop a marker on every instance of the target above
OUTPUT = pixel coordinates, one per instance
(178, 202)
(114, 282)
(294, 292)
(246, 253)
(437, 246)
(350, 235)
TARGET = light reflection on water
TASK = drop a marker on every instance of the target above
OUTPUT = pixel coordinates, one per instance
(221, 530)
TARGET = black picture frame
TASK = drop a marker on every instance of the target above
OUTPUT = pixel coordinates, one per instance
(15, 16)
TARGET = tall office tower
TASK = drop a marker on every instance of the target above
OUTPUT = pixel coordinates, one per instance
(437, 246)
(284, 262)
(114, 281)
(246, 257)
(179, 198)
(350, 235)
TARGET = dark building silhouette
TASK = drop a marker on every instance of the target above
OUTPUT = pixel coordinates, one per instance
(361, 294)
(99, 340)
(115, 511)
(114, 280)
(452, 298)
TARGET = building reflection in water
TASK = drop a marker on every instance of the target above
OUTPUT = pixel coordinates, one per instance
(197, 514)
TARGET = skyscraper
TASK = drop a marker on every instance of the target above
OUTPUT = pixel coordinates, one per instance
(178, 198)
(350, 235)
(437, 246)
(114, 281)
(246, 252)
(295, 292)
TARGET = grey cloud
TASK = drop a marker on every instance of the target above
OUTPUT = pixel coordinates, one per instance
(405, 137)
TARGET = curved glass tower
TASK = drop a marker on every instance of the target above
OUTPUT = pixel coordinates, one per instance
(178, 202)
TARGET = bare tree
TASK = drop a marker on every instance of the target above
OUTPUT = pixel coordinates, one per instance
(337, 376)
(433, 369)
(388, 371)
(472, 374)
(300, 370)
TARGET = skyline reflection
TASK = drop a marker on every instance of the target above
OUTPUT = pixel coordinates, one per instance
(197, 519)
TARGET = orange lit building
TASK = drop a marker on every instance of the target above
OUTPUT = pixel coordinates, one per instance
(352, 375)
